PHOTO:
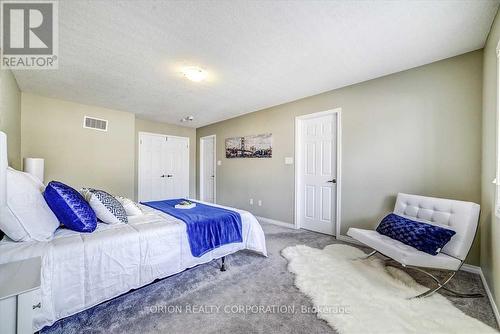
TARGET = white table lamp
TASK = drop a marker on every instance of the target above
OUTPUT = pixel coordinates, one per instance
(35, 167)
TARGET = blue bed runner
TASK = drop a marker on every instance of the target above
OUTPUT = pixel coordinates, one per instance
(208, 227)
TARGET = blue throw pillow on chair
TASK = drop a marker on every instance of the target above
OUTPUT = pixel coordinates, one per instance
(424, 237)
(70, 208)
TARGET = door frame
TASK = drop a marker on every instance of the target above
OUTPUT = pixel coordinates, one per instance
(298, 156)
(139, 138)
(202, 190)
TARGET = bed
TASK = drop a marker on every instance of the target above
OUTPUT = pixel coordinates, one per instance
(81, 270)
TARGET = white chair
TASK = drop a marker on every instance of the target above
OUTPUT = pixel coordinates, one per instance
(462, 217)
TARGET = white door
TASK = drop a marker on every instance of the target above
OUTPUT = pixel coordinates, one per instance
(176, 162)
(317, 172)
(163, 167)
(207, 169)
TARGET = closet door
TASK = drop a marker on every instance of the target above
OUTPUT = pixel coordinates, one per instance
(151, 167)
(163, 167)
(176, 155)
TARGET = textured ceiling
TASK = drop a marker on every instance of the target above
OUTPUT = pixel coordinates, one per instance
(125, 54)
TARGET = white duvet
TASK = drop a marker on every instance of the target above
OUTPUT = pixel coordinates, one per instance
(80, 270)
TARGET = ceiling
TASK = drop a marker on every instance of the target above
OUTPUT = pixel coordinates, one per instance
(126, 55)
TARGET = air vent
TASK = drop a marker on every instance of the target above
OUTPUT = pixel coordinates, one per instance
(95, 123)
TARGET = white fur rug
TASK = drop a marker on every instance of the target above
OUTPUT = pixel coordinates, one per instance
(364, 296)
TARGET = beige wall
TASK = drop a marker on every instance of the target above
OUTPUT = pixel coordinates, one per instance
(490, 228)
(52, 129)
(417, 131)
(173, 130)
(10, 116)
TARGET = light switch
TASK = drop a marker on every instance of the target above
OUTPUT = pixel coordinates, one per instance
(219, 162)
(288, 160)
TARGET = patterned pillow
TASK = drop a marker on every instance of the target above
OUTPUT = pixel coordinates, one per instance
(70, 207)
(425, 237)
(106, 207)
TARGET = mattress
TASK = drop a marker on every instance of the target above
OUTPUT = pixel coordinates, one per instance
(81, 270)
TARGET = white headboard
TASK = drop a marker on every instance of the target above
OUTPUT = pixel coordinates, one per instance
(7, 218)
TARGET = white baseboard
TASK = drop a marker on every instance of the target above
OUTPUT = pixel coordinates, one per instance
(478, 271)
(471, 269)
(275, 222)
(488, 293)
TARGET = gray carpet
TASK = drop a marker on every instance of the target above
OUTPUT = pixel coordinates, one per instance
(174, 305)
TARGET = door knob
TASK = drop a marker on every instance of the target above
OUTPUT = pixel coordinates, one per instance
(169, 175)
(332, 181)
(162, 175)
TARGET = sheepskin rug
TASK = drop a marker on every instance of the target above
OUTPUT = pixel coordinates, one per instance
(364, 296)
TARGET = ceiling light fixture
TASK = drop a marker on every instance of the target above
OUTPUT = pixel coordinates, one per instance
(194, 73)
(187, 119)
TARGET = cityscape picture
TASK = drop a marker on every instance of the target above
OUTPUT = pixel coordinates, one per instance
(258, 146)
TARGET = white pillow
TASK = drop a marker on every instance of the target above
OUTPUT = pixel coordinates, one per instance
(107, 208)
(130, 206)
(30, 216)
(11, 226)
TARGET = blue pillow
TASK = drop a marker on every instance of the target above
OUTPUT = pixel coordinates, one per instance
(424, 237)
(70, 208)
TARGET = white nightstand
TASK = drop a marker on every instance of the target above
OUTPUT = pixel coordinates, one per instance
(19, 293)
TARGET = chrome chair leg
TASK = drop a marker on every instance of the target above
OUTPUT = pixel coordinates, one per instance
(442, 285)
(364, 257)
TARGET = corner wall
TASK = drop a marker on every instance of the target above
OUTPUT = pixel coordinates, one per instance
(490, 225)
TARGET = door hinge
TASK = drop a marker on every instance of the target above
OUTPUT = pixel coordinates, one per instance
(166, 138)
(140, 141)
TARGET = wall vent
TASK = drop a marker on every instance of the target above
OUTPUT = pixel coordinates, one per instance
(95, 123)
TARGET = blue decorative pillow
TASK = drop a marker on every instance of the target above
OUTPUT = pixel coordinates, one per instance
(70, 208)
(424, 237)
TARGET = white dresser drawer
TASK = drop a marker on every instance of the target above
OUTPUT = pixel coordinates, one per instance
(16, 312)
(19, 295)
